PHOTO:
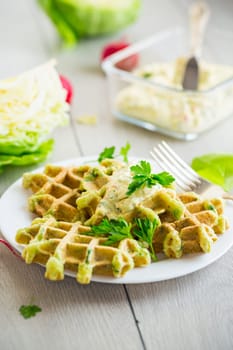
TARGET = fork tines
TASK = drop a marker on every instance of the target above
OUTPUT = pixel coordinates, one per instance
(167, 159)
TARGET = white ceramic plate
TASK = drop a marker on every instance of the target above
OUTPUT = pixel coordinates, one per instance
(14, 215)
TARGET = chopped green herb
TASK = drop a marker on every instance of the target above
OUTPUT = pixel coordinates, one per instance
(88, 256)
(115, 230)
(108, 153)
(95, 172)
(143, 177)
(144, 231)
(124, 152)
(209, 206)
(176, 213)
(28, 311)
(147, 75)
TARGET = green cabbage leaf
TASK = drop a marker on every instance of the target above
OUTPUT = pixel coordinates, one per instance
(28, 158)
(75, 19)
(31, 106)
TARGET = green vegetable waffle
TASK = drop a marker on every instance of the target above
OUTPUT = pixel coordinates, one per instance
(90, 224)
(61, 245)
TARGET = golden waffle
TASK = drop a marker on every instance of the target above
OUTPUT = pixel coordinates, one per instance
(196, 231)
(67, 198)
(62, 245)
(57, 188)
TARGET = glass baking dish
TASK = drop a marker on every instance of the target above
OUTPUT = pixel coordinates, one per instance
(161, 107)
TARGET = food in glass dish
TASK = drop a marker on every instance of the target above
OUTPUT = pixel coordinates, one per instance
(158, 98)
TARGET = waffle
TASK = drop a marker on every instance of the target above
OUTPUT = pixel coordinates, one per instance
(61, 245)
(68, 200)
(195, 231)
(56, 190)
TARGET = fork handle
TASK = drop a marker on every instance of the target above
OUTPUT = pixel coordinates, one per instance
(216, 191)
(227, 196)
(199, 15)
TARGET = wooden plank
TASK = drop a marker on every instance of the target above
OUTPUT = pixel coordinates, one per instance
(83, 68)
(64, 148)
(192, 312)
(20, 44)
(179, 313)
(72, 315)
(220, 13)
(20, 52)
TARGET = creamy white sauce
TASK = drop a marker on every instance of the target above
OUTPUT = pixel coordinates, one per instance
(115, 201)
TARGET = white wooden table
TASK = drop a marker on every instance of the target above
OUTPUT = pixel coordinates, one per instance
(192, 312)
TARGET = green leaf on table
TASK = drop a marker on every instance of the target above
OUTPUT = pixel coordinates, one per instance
(28, 311)
(217, 168)
(142, 177)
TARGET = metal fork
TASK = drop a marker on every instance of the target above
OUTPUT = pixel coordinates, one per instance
(186, 178)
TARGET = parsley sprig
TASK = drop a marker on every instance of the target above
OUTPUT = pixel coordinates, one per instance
(109, 153)
(143, 177)
(28, 311)
(117, 230)
(144, 231)
(124, 152)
